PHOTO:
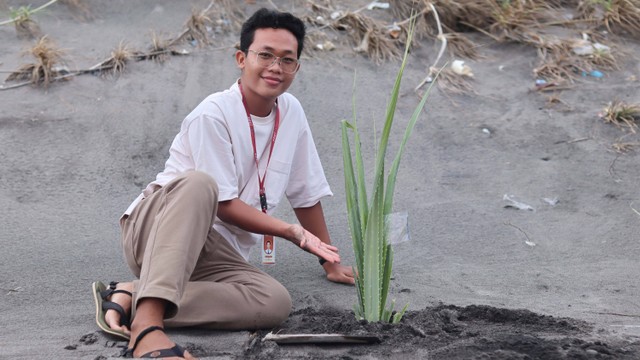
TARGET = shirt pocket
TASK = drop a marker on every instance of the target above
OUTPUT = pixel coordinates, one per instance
(276, 181)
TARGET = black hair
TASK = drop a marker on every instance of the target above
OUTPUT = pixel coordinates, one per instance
(265, 18)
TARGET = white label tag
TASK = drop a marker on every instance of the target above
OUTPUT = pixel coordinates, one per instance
(268, 250)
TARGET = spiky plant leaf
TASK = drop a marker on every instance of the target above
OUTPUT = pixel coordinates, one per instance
(367, 220)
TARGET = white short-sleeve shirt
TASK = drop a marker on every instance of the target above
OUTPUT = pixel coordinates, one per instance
(215, 138)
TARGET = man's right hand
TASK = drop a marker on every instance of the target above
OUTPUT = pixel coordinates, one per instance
(312, 244)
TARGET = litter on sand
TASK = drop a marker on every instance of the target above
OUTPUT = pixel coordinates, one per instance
(512, 203)
(378, 5)
(460, 68)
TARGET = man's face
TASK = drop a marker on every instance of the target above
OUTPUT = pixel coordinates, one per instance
(270, 82)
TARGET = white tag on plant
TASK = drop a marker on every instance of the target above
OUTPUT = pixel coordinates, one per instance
(398, 226)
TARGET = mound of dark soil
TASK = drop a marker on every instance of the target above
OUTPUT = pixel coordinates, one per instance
(447, 332)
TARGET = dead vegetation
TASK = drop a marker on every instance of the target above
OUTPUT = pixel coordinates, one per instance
(370, 37)
(115, 64)
(614, 15)
(453, 82)
(624, 147)
(197, 28)
(554, 101)
(22, 19)
(46, 67)
(367, 34)
(26, 27)
(622, 115)
(460, 46)
(567, 34)
(227, 15)
(159, 49)
(218, 17)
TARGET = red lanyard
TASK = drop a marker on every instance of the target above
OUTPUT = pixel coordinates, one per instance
(263, 194)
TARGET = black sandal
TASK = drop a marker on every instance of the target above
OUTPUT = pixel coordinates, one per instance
(110, 305)
(175, 351)
(100, 295)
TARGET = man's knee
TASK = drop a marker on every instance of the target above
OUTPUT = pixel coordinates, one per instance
(198, 183)
(276, 310)
(201, 180)
(283, 303)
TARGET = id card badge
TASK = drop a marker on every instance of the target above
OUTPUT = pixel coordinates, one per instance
(268, 250)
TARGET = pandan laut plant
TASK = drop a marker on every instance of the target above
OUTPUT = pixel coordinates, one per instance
(367, 217)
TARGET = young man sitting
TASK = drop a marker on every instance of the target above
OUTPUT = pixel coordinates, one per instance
(187, 236)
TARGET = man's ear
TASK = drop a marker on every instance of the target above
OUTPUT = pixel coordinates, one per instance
(241, 57)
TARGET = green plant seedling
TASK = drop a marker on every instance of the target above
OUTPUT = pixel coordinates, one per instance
(369, 230)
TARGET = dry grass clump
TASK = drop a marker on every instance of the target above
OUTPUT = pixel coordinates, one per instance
(159, 49)
(196, 28)
(26, 27)
(604, 58)
(560, 58)
(455, 79)
(45, 69)
(622, 115)
(451, 82)
(371, 37)
(116, 63)
(517, 20)
(613, 14)
(21, 18)
(460, 46)
(404, 9)
(227, 15)
(557, 62)
(449, 15)
(219, 16)
(624, 147)
(501, 20)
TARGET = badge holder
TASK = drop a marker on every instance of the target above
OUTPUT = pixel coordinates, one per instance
(268, 243)
(268, 250)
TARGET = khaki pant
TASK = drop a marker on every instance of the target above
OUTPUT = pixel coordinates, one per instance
(170, 245)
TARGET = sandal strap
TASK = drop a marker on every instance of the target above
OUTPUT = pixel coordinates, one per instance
(112, 290)
(124, 317)
(110, 305)
(176, 350)
(122, 292)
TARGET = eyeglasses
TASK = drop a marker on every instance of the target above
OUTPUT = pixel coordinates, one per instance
(267, 59)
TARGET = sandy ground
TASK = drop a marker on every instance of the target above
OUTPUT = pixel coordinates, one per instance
(76, 154)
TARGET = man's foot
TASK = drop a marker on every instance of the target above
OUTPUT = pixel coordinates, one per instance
(153, 342)
(112, 317)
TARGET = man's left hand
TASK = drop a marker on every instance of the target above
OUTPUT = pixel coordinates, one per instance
(339, 273)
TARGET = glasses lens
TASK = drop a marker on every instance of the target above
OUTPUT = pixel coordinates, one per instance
(289, 65)
(267, 59)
